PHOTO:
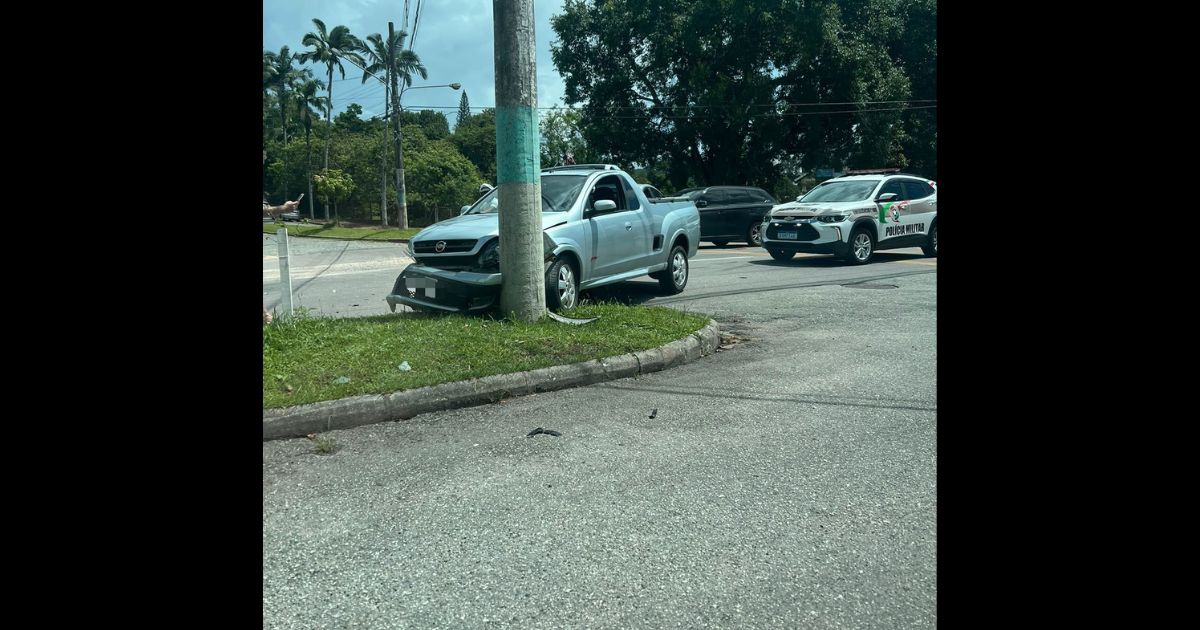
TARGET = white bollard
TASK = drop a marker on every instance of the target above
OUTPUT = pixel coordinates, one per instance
(285, 276)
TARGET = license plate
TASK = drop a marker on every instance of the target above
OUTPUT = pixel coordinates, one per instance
(787, 235)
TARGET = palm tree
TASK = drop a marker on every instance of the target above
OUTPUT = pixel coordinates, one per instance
(268, 78)
(404, 64)
(284, 76)
(330, 48)
(378, 55)
(394, 62)
(307, 100)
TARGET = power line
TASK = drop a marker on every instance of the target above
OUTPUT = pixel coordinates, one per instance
(416, 24)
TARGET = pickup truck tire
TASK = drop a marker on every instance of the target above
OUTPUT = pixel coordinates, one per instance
(675, 277)
(930, 246)
(780, 255)
(862, 247)
(562, 287)
(754, 235)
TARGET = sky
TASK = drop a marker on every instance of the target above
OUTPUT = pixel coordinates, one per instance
(453, 38)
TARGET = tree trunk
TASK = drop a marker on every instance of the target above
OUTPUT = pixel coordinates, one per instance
(283, 119)
(518, 162)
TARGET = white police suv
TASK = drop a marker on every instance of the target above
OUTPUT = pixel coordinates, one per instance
(855, 215)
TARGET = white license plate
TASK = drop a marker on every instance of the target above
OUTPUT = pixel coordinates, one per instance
(787, 235)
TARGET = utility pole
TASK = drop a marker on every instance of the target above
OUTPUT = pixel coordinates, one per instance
(518, 162)
(383, 156)
(402, 220)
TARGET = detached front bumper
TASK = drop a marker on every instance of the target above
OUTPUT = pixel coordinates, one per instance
(432, 289)
(810, 237)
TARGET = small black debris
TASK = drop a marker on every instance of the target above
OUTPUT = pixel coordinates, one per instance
(541, 430)
(653, 413)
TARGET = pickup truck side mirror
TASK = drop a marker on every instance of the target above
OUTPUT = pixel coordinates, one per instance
(604, 205)
(463, 210)
(886, 197)
(700, 203)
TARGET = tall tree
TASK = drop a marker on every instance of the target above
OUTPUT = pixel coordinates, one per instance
(476, 139)
(464, 110)
(406, 62)
(307, 100)
(331, 48)
(730, 91)
(380, 56)
(285, 76)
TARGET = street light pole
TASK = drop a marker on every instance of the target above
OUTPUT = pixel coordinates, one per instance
(397, 92)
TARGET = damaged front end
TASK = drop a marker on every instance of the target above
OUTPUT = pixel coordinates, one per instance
(454, 283)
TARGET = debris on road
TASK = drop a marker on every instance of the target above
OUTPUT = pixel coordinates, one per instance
(541, 430)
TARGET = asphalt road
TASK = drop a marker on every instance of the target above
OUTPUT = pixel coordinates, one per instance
(787, 481)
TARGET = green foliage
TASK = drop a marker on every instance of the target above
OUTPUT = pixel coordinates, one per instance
(464, 109)
(562, 132)
(720, 92)
(332, 185)
(475, 138)
(439, 180)
(433, 124)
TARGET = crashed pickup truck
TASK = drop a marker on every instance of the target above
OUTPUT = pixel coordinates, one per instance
(598, 228)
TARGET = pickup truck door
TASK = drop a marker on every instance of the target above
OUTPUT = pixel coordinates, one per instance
(619, 241)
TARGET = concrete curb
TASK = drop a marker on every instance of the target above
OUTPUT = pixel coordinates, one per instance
(352, 412)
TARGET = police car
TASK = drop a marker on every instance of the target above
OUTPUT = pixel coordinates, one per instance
(854, 216)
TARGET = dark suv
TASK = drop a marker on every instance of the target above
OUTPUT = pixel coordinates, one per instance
(731, 213)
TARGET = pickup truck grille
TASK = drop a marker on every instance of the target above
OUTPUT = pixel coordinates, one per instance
(453, 263)
(452, 246)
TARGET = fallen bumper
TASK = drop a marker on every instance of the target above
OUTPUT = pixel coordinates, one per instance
(432, 289)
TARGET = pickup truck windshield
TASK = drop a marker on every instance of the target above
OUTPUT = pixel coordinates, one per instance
(558, 193)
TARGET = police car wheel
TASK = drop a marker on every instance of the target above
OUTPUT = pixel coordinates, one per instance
(930, 246)
(862, 247)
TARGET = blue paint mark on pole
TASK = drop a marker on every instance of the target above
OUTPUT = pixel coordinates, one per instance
(518, 154)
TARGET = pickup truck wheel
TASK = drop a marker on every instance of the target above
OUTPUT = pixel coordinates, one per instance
(754, 235)
(780, 255)
(675, 277)
(862, 247)
(562, 289)
(720, 243)
(930, 246)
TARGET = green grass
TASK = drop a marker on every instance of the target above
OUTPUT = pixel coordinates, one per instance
(346, 233)
(304, 359)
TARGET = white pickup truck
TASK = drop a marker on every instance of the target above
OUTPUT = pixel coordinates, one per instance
(598, 228)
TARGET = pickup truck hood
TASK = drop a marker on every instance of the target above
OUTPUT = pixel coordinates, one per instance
(798, 209)
(475, 226)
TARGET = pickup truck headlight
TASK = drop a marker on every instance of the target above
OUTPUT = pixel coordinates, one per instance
(489, 258)
(832, 218)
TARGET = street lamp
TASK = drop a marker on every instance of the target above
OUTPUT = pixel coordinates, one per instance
(400, 192)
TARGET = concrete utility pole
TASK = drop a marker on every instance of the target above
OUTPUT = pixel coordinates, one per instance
(402, 220)
(518, 162)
